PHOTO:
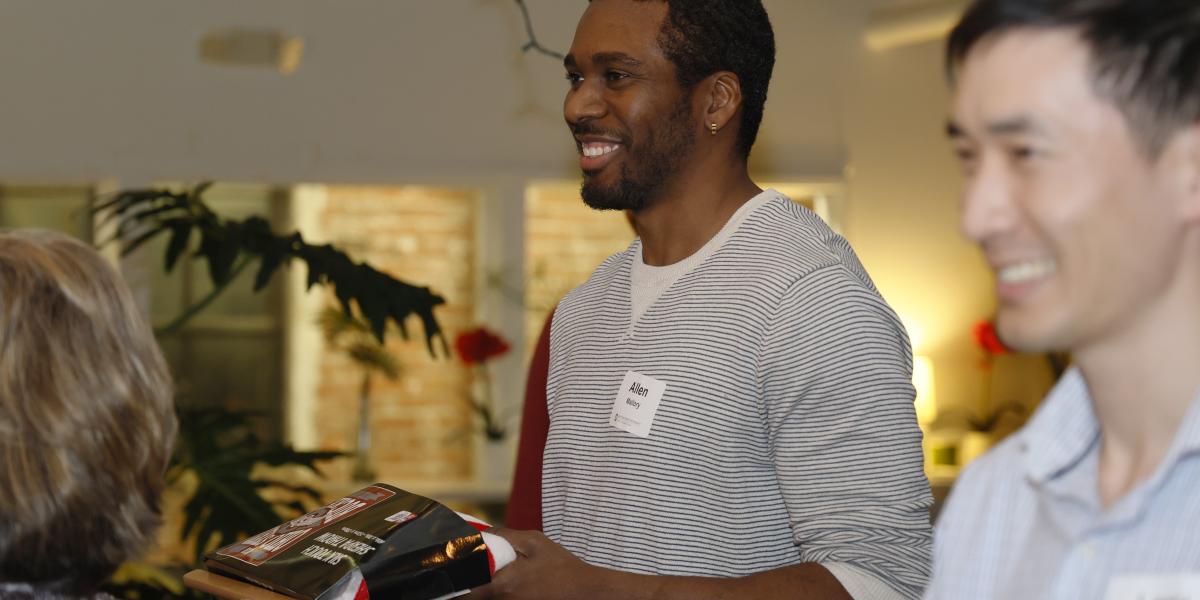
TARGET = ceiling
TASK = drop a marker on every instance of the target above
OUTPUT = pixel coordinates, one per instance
(388, 90)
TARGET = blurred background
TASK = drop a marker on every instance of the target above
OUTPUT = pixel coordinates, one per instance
(419, 138)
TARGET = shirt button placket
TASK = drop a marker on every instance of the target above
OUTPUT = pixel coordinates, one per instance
(1077, 569)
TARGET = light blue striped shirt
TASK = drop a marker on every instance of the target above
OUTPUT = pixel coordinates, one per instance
(1025, 521)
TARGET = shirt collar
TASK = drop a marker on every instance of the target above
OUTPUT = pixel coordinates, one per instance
(1064, 430)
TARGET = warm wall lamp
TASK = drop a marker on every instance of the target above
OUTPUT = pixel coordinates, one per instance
(913, 23)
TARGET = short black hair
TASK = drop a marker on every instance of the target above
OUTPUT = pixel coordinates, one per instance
(1145, 54)
(702, 37)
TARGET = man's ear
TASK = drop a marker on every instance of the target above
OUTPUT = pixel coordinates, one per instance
(723, 100)
(1187, 144)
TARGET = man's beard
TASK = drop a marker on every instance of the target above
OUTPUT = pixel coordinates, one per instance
(640, 182)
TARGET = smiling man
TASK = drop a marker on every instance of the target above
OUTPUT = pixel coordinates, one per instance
(1078, 124)
(730, 399)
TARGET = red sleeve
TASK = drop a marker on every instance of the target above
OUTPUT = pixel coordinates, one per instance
(525, 502)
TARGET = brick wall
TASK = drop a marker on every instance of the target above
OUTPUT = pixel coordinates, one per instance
(424, 236)
(565, 241)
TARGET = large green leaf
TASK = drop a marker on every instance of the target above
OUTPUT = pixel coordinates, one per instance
(142, 215)
(220, 449)
(181, 236)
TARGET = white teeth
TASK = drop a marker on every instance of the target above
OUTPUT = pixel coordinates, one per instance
(594, 151)
(1026, 271)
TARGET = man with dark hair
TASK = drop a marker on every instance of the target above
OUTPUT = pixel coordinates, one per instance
(730, 399)
(1078, 126)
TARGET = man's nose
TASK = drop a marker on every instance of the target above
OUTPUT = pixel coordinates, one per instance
(583, 102)
(988, 202)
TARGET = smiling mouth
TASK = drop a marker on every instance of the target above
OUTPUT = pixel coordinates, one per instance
(1026, 271)
(597, 149)
(594, 156)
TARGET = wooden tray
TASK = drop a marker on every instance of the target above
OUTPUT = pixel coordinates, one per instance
(230, 589)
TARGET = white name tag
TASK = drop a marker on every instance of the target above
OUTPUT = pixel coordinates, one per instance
(1173, 586)
(637, 401)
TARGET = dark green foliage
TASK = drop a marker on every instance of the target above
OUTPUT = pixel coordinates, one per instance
(221, 449)
(354, 337)
(217, 447)
(149, 590)
(229, 245)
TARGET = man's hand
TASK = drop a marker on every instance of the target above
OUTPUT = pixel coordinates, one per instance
(543, 571)
(546, 571)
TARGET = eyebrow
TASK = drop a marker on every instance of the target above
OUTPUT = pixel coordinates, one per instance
(605, 59)
(1017, 125)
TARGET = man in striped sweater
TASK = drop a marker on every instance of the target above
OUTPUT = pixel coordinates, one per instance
(730, 399)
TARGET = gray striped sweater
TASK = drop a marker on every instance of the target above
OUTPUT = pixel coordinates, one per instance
(786, 432)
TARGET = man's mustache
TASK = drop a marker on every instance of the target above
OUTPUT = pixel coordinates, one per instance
(580, 129)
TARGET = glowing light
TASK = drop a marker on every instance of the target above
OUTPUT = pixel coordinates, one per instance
(916, 334)
(926, 402)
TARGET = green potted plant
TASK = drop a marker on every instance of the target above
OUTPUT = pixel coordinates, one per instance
(352, 336)
(235, 477)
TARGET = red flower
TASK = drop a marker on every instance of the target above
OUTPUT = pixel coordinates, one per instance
(479, 345)
(988, 341)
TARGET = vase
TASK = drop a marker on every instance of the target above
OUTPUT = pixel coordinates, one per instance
(363, 471)
(494, 461)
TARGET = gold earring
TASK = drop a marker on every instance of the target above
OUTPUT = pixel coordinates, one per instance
(713, 128)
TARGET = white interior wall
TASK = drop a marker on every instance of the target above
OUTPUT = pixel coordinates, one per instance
(388, 91)
(418, 92)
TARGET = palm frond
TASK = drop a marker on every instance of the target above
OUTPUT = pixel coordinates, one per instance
(228, 503)
(374, 357)
(143, 215)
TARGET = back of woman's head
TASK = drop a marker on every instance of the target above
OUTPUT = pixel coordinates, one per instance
(86, 416)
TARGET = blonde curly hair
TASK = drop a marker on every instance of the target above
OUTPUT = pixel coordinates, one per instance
(87, 422)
